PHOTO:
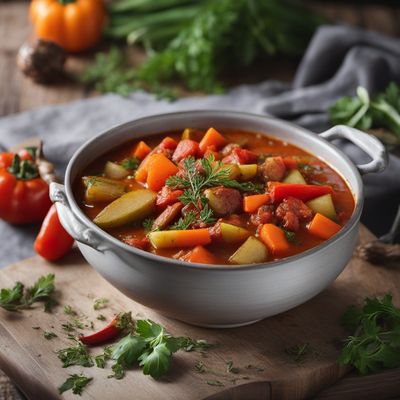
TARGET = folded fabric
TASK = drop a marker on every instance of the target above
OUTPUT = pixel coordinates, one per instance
(338, 59)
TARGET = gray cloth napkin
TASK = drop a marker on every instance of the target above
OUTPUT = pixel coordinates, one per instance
(338, 59)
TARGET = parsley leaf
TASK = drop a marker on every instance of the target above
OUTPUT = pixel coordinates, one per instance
(375, 344)
(14, 299)
(157, 361)
(76, 383)
(69, 310)
(128, 350)
(10, 299)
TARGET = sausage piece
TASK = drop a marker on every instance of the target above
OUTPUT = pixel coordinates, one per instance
(224, 201)
(291, 211)
(167, 216)
(273, 169)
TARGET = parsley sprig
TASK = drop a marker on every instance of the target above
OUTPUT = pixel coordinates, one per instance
(213, 173)
(16, 298)
(375, 344)
(151, 347)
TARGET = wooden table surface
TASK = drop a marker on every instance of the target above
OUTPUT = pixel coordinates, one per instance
(18, 93)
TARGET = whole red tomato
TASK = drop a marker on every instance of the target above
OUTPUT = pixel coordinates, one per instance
(24, 196)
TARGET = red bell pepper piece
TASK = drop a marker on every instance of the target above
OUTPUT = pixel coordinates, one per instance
(53, 241)
(280, 191)
(24, 196)
(121, 322)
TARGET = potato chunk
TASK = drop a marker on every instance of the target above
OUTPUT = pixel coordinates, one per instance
(130, 207)
(115, 171)
(247, 171)
(250, 252)
(295, 176)
(232, 233)
(100, 189)
(323, 205)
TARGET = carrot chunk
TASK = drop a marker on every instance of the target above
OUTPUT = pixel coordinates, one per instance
(252, 203)
(275, 239)
(200, 255)
(212, 138)
(159, 169)
(323, 227)
(141, 150)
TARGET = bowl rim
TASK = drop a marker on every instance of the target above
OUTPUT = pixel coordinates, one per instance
(350, 224)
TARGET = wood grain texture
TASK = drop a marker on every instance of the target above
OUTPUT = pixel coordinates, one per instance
(30, 361)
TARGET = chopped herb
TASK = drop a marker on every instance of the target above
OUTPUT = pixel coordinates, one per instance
(230, 368)
(101, 303)
(101, 359)
(148, 224)
(118, 371)
(69, 310)
(185, 222)
(215, 383)
(199, 367)
(101, 317)
(130, 163)
(125, 321)
(15, 299)
(75, 355)
(375, 344)
(298, 352)
(76, 383)
(49, 305)
(68, 327)
(290, 236)
(49, 335)
(36, 327)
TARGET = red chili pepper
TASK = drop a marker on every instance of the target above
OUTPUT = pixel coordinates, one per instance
(112, 330)
(53, 241)
(24, 196)
(280, 191)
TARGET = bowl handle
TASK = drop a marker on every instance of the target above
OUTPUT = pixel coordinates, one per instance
(72, 225)
(368, 143)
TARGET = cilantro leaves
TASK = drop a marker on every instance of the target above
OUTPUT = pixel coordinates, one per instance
(14, 299)
(376, 342)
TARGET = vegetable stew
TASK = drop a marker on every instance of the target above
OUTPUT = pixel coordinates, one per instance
(215, 197)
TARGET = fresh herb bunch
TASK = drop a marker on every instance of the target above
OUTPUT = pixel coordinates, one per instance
(214, 173)
(382, 111)
(150, 346)
(75, 355)
(197, 40)
(375, 344)
(15, 298)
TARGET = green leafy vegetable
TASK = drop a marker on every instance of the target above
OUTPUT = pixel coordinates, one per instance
(290, 236)
(101, 317)
(76, 383)
(382, 111)
(197, 41)
(15, 299)
(375, 344)
(75, 355)
(215, 383)
(230, 368)
(148, 224)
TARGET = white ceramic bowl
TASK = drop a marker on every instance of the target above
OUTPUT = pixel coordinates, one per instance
(218, 296)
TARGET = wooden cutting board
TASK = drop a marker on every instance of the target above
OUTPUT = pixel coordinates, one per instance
(265, 370)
